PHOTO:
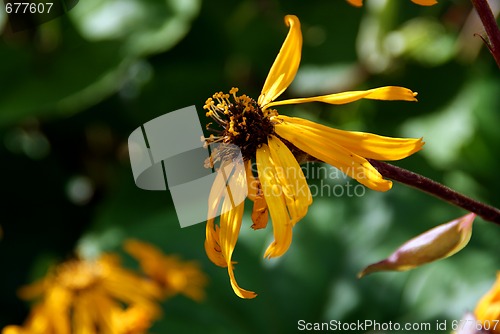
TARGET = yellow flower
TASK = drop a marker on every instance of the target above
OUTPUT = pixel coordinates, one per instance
(359, 3)
(275, 142)
(81, 296)
(171, 274)
(488, 309)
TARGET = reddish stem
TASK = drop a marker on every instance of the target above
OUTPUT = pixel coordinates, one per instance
(490, 26)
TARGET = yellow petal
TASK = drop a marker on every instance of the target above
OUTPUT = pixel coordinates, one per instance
(230, 224)
(367, 145)
(425, 2)
(219, 193)
(297, 193)
(436, 244)
(357, 3)
(488, 308)
(348, 162)
(275, 198)
(285, 65)
(212, 247)
(389, 93)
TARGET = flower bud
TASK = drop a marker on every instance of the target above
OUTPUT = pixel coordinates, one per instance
(438, 243)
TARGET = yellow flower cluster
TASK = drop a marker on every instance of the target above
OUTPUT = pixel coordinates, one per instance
(83, 296)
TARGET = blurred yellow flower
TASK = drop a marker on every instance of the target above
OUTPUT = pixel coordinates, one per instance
(169, 272)
(83, 296)
(359, 3)
(133, 320)
(276, 142)
(488, 309)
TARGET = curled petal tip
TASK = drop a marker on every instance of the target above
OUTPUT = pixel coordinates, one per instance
(291, 19)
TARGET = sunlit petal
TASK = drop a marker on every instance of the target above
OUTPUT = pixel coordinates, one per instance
(367, 145)
(275, 198)
(285, 65)
(290, 175)
(349, 163)
(388, 93)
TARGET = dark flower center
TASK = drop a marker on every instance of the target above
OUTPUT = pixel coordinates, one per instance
(241, 120)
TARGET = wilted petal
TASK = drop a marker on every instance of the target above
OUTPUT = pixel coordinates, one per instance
(367, 145)
(285, 65)
(436, 244)
(389, 93)
(347, 161)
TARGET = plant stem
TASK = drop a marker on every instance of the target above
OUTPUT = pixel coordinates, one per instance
(490, 26)
(434, 188)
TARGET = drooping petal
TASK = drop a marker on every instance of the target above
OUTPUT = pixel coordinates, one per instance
(348, 162)
(438, 243)
(367, 145)
(230, 224)
(235, 177)
(275, 198)
(221, 240)
(425, 2)
(285, 65)
(388, 93)
(212, 247)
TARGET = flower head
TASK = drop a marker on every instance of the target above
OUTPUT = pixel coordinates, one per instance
(488, 308)
(169, 272)
(276, 143)
(82, 296)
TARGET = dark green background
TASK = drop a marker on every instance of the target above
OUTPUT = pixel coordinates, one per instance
(73, 89)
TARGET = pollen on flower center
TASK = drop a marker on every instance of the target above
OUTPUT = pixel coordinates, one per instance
(78, 275)
(242, 120)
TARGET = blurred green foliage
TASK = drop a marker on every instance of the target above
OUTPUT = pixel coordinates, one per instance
(74, 88)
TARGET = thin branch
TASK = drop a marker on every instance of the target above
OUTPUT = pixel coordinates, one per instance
(487, 212)
(490, 26)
